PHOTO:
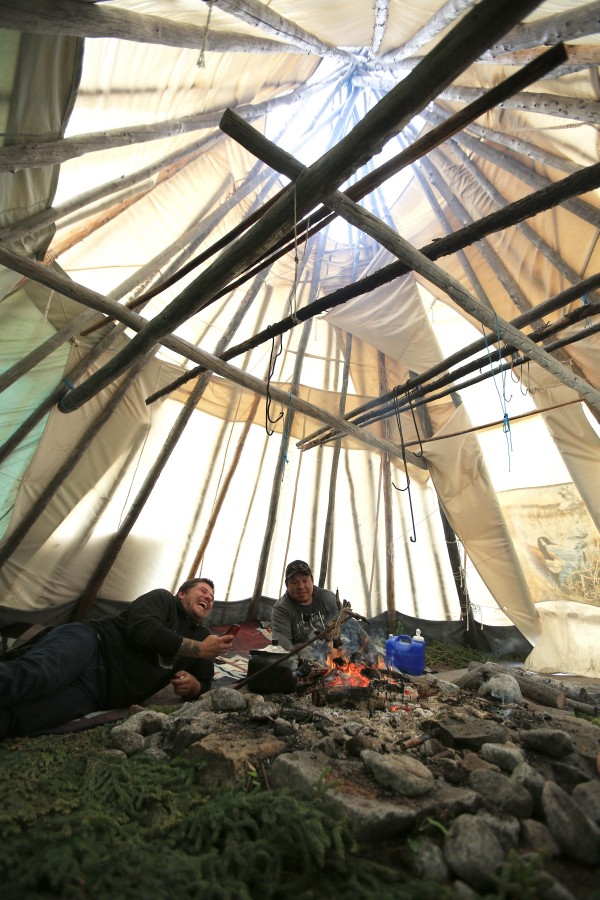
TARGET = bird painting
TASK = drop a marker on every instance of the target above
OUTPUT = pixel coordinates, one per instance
(555, 561)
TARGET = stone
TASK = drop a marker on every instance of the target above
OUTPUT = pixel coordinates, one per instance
(263, 710)
(536, 836)
(532, 780)
(470, 734)
(127, 740)
(229, 757)
(506, 828)
(548, 741)
(506, 756)
(504, 688)
(501, 792)
(587, 795)
(370, 820)
(401, 773)
(428, 860)
(227, 699)
(577, 836)
(473, 852)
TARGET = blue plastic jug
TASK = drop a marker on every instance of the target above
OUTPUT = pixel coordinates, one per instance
(406, 654)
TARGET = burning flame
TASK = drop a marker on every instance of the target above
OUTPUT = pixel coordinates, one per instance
(345, 673)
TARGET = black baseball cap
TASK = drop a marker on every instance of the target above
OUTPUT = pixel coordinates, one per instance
(298, 565)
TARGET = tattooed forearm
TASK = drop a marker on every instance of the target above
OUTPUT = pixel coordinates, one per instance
(191, 649)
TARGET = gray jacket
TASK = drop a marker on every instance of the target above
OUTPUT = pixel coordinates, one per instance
(292, 623)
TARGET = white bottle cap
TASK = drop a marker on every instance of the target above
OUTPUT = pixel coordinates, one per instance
(418, 636)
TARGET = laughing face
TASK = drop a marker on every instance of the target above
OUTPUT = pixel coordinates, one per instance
(197, 600)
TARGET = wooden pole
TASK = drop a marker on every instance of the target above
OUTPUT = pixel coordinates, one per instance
(67, 465)
(112, 550)
(428, 270)
(50, 153)
(277, 480)
(259, 15)
(192, 352)
(286, 431)
(96, 21)
(480, 28)
(386, 485)
(114, 547)
(164, 169)
(197, 561)
(328, 533)
(231, 124)
(559, 300)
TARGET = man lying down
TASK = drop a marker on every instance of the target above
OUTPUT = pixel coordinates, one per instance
(114, 662)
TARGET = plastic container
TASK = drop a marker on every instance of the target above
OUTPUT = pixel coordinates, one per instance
(406, 654)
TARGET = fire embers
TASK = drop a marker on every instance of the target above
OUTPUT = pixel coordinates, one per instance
(349, 683)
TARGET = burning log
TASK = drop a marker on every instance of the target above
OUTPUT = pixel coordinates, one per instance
(340, 694)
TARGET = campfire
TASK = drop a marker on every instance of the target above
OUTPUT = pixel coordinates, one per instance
(339, 667)
(343, 681)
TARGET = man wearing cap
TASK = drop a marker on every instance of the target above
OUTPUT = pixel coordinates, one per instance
(304, 610)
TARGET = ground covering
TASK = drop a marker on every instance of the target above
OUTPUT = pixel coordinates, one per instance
(79, 820)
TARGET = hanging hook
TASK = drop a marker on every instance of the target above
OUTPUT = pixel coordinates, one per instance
(268, 418)
(413, 537)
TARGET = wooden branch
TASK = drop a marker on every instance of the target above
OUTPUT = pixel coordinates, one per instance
(580, 56)
(439, 21)
(388, 520)
(164, 169)
(264, 17)
(517, 144)
(577, 108)
(381, 14)
(41, 352)
(540, 184)
(267, 540)
(96, 301)
(95, 20)
(468, 269)
(577, 22)
(581, 182)
(451, 56)
(36, 416)
(115, 545)
(554, 258)
(47, 153)
(194, 235)
(394, 403)
(571, 25)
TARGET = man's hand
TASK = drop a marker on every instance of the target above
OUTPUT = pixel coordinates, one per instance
(211, 647)
(186, 686)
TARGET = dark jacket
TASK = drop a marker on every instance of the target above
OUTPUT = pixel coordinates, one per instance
(140, 645)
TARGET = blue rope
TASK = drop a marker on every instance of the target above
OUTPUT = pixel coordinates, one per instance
(285, 438)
